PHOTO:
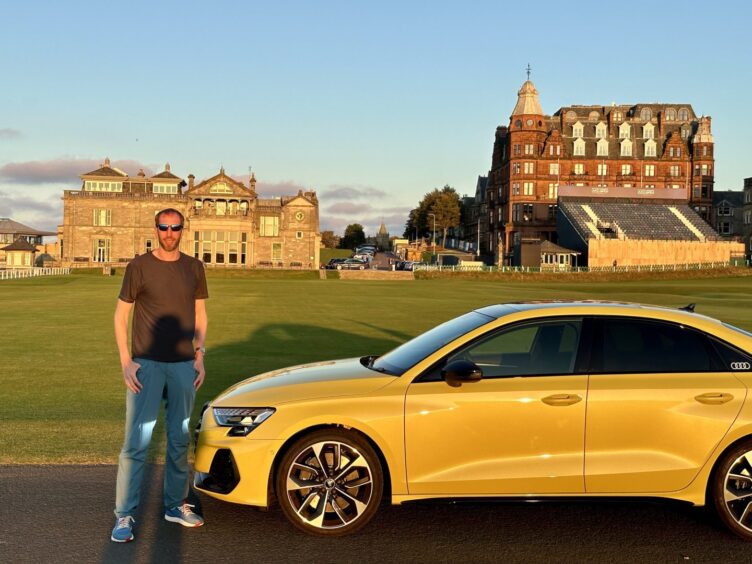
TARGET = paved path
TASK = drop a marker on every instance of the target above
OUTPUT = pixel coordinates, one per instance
(63, 514)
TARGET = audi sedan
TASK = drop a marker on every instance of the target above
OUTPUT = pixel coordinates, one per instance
(526, 400)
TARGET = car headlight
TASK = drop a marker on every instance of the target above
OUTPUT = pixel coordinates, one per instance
(241, 420)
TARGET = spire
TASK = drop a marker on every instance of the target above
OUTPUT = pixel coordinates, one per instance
(527, 101)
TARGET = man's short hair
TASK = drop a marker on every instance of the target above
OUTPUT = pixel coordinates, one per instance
(169, 211)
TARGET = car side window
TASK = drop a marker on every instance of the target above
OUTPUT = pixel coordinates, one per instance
(531, 349)
(732, 359)
(637, 345)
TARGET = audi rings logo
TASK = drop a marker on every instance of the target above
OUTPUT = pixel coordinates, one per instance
(740, 366)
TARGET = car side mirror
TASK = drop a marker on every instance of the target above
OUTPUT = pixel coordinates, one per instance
(460, 372)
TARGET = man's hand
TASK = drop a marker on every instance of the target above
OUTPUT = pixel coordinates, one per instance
(129, 376)
(198, 365)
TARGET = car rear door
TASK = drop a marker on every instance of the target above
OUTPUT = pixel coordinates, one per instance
(659, 401)
(518, 430)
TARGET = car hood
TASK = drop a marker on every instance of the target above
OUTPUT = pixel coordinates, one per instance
(332, 378)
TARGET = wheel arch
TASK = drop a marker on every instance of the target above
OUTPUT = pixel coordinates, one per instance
(387, 495)
(716, 464)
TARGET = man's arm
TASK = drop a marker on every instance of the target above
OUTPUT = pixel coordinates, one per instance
(199, 338)
(122, 312)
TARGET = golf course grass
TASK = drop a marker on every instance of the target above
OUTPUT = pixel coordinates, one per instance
(62, 395)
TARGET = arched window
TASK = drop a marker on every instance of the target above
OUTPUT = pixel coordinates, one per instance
(650, 148)
(626, 148)
(624, 131)
(683, 114)
(601, 131)
(579, 147)
(670, 114)
(646, 114)
(602, 148)
(570, 115)
(594, 116)
(578, 130)
(518, 123)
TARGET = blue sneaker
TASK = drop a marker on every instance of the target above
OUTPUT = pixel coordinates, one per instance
(123, 531)
(182, 514)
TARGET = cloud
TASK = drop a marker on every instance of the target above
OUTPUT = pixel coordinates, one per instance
(40, 214)
(282, 188)
(9, 133)
(349, 208)
(339, 192)
(62, 170)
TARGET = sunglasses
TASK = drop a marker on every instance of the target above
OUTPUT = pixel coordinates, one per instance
(166, 226)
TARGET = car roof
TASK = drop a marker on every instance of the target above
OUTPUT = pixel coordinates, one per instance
(611, 307)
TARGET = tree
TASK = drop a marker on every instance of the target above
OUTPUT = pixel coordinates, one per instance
(444, 204)
(353, 236)
(329, 239)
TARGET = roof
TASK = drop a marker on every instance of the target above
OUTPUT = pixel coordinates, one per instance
(527, 101)
(733, 197)
(20, 244)
(7, 225)
(549, 247)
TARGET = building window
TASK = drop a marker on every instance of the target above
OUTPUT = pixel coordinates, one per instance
(165, 188)
(515, 188)
(650, 148)
(748, 217)
(516, 149)
(626, 169)
(499, 214)
(600, 131)
(674, 170)
(527, 212)
(578, 130)
(102, 217)
(602, 148)
(553, 190)
(696, 192)
(725, 228)
(515, 212)
(579, 168)
(649, 170)
(149, 247)
(626, 148)
(671, 114)
(277, 251)
(269, 226)
(299, 234)
(579, 147)
(725, 209)
(553, 169)
(529, 168)
(705, 151)
(617, 116)
(705, 170)
(516, 168)
(646, 114)
(552, 211)
(684, 132)
(220, 188)
(95, 186)
(648, 131)
(602, 169)
(101, 251)
(529, 149)
(683, 114)
(528, 188)
(678, 151)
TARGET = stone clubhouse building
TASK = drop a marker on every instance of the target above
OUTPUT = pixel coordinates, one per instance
(110, 220)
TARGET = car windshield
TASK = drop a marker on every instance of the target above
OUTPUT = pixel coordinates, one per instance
(397, 361)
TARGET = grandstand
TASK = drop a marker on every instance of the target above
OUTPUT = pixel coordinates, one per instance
(630, 227)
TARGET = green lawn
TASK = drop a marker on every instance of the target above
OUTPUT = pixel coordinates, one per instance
(62, 395)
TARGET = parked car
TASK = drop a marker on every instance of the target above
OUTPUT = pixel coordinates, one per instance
(534, 400)
(333, 263)
(352, 264)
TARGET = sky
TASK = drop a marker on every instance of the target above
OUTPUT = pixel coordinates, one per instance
(370, 104)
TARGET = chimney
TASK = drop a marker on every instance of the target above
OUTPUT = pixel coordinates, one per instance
(167, 167)
(252, 181)
(191, 178)
(107, 161)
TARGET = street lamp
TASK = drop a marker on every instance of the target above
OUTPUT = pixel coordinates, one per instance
(433, 255)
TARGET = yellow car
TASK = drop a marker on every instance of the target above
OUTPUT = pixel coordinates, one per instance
(521, 400)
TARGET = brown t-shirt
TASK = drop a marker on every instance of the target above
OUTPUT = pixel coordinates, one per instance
(164, 317)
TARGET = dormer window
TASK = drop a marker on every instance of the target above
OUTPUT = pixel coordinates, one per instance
(616, 116)
(602, 148)
(578, 130)
(95, 186)
(650, 148)
(165, 188)
(645, 114)
(579, 147)
(670, 114)
(626, 148)
(683, 114)
(648, 131)
(601, 131)
(625, 131)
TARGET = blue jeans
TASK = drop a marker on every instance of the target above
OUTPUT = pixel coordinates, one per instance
(172, 381)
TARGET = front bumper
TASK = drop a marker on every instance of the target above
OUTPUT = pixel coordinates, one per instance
(235, 469)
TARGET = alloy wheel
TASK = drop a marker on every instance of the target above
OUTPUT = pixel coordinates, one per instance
(737, 491)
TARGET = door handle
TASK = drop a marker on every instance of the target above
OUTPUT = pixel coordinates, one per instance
(714, 398)
(561, 399)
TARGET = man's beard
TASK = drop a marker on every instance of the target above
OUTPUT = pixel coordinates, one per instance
(169, 245)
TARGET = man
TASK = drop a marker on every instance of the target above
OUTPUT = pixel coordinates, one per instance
(167, 362)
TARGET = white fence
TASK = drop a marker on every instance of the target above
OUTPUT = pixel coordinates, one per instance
(555, 270)
(15, 274)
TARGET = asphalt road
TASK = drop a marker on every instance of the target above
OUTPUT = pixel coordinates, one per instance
(64, 514)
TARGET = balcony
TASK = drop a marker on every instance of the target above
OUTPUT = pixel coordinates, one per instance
(213, 212)
(123, 195)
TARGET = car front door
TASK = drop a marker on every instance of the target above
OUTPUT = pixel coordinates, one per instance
(518, 430)
(659, 401)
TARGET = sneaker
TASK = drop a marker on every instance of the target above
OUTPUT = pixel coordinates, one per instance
(123, 530)
(182, 514)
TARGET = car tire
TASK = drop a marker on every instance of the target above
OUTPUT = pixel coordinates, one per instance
(321, 460)
(339, 267)
(732, 489)
(361, 267)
